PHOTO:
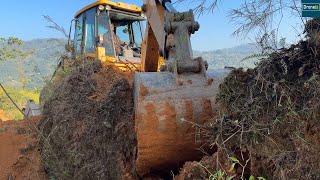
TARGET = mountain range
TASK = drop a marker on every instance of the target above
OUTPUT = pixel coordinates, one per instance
(35, 68)
(230, 57)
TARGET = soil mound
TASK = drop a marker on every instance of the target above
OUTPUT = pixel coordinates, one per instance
(19, 155)
(273, 111)
(88, 125)
(207, 168)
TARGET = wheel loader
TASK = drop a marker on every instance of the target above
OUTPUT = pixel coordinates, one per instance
(174, 95)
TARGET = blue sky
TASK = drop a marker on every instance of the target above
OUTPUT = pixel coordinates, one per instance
(24, 20)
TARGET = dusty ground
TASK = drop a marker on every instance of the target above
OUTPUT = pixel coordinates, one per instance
(19, 156)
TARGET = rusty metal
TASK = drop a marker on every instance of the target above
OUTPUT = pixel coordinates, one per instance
(149, 51)
(154, 12)
(180, 56)
(167, 115)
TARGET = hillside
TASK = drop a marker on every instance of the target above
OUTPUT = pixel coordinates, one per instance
(36, 67)
(39, 66)
(230, 57)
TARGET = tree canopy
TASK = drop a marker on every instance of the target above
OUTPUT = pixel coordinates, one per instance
(10, 49)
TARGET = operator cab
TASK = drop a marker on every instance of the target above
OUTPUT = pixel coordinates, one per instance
(114, 28)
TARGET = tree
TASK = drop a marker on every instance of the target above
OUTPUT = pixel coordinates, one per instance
(263, 18)
(259, 18)
(9, 49)
(201, 6)
(55, 26)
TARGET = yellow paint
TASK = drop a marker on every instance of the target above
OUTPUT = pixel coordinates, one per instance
(115, 5)
(100, 51)
(124, 66)
(90, 55)
(110, 60)
(128, 67)
(161, 62)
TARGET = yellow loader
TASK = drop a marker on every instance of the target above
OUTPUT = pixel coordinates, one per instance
(173, 92)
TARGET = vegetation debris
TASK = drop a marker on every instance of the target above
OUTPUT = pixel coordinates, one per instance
(88, 125)
(273, 111)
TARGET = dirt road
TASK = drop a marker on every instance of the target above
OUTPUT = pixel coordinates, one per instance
(19, 156)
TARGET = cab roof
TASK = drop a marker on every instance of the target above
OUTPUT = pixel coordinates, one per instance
(114, 5)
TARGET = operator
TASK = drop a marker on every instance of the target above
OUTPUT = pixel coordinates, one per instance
(118, 44)
(121, 46)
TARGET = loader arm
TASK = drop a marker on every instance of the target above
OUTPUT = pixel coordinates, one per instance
(168, 35)
(154, 40)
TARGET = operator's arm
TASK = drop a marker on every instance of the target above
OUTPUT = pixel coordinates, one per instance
(117, 43)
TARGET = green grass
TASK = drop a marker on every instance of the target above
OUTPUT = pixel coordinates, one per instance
(20, 96)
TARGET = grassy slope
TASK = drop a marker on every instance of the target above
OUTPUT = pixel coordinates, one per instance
(20, 96)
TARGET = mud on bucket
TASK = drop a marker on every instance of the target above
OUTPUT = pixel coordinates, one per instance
(166, 113)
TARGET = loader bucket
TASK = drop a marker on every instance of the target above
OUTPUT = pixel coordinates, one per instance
(167, 114)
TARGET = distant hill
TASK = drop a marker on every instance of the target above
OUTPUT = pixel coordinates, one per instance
(35, 68)
(41, 64)
(231, 57)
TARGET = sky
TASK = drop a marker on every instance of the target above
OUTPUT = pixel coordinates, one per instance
(24, 19)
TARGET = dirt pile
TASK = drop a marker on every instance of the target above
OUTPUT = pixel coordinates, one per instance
(19, 155)
(273, 111)
(207, 168)
(88, 126)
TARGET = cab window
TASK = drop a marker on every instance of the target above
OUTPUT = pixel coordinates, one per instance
(89, 31)
(78, 35)
(137, 33)
(104, 32)
(123, 33)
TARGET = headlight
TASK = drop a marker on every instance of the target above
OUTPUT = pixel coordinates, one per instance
(101, 7)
